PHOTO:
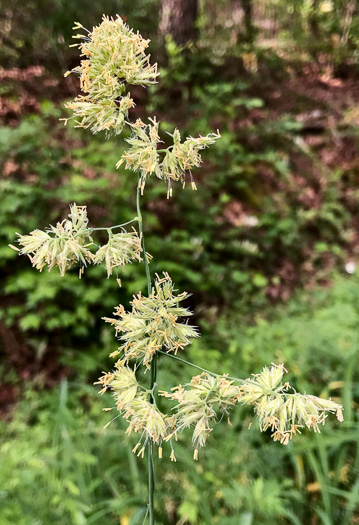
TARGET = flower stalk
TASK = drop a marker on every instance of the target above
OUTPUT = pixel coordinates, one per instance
(151, 470)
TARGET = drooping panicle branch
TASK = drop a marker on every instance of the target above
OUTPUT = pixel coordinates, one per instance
(70, 242)
(278, 407)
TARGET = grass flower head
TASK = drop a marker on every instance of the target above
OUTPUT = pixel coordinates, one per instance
(122, 381)
(198, 404)
(114, 57)
(62, 245)
(122, 248)
(153, 323)
(282, 411)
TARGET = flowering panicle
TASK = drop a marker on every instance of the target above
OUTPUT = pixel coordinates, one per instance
(143, 157)
(62, 245)
(105, 115)
(122, 248)
(134, 405)
(153, 324)
(114, 57)
(144, 416)
(67, 243)
(123, 382)
(282, 412)
(197, 405)
(182, 157)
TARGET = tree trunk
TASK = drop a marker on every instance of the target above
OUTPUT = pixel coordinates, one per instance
(248, 21)
(178, 19)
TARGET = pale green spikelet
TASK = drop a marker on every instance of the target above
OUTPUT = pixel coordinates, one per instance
(145, 416)
(282, 412)
(153, 324)
(142, 157)
(121, 249)
(198, 404)
(62, 245)
(115, 57)
(122, 381)
(182, 157)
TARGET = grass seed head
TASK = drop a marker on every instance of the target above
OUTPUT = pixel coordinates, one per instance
(62, 245)
(153, 323)
(113, 58)
(282, 412)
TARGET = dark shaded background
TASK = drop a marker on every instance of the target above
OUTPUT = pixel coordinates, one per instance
(268, 247)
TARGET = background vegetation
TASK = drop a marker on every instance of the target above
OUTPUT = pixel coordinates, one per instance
(268, 247)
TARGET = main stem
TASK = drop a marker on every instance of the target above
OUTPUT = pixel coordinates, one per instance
(151, 477)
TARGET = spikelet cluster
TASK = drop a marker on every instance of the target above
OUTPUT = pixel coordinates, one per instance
(67, 244)
(122, 381)
(62, 245)
(184, 156)
(122, 248)
(132, 401)
(282, 412)
(144, 158)
(114, 57)
(152, 324)
(144, 416)
(198, 404)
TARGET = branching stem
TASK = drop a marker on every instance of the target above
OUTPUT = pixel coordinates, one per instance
(199, 367)
(136, 219)
(90, 230)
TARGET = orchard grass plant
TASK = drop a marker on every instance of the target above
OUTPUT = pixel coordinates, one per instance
(156, 327)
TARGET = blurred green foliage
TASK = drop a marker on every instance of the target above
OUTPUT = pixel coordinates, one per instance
(231, 265)
(38, 31)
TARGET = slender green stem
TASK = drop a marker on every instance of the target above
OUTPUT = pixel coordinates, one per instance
(151, 483)
(140, 227)
(199, 367)
(151, 477)
(90, 230)
(113, 227)
(269, 392)
(145, 518)
(187, 362)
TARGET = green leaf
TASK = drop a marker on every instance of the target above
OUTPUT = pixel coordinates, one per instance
(188, 511)
(259, 280)
(30, 322)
